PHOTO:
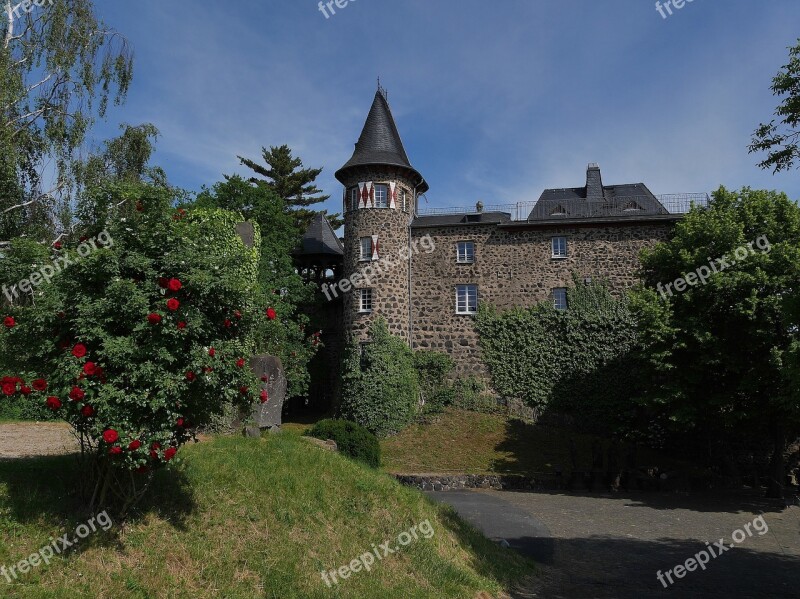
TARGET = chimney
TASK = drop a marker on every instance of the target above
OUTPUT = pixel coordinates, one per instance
(594, 182)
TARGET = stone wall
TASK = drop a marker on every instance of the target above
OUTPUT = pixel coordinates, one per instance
(389, 287)
(514, 267)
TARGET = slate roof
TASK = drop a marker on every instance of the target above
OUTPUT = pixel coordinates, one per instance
(595, 199)
(478, 218)
(319, 239)
(380, 144)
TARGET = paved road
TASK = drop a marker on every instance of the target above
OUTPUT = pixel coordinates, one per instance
(613, 546)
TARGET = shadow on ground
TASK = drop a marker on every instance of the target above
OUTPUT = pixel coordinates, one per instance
(46, 490)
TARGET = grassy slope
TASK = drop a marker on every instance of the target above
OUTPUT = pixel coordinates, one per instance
(472, 443)
(243, 519)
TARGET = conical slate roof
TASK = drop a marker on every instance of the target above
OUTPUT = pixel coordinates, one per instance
(380, 144)
(319, 238)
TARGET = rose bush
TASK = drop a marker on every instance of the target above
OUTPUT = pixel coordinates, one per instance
(142, 340)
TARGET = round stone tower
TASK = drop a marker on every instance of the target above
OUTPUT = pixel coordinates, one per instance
(380, 198)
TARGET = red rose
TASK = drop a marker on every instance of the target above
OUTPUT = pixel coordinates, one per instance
(163, 282)
(227, 323)
(174, 285)
(190, 375)
(139, 206)
(212, 352)
(79, 350)
(173, 304)
(208, 369)
(57, 245)
(25, 390)
(53, 403)
(39, 385)
(179, 422)
(83, 238)
(244, 390)
(154, 318)
(265, 379)
(9, 322)
(155, 446)
(181, 325)
(9, 388)
(90, 369)
(87, 411)
(116, 450)
(271, 314)
(77, 394)
(237, 314)
(264, 396)
(169, 454)
(135, 444)
(110, 436)
(240, 363)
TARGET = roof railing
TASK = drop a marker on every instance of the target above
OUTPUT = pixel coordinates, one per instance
(617, 207)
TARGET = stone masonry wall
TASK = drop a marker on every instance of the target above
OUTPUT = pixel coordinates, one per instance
(513, 267)
(390, 294)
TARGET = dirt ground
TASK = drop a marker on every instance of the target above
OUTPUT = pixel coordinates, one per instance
(36, 439)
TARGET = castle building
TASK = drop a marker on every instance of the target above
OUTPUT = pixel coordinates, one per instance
(425, 271)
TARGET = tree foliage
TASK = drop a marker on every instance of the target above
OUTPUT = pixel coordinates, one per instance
(781, 140)
(285, 176)
(59, 67)
(380, 389)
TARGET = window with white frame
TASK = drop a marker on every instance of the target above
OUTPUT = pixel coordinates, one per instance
(560, 298)
(559, 247)
(381, 196)
(355, 198)
(465, 252)
(405, 200)
(365, 300)
(466, 299)
(365, 247)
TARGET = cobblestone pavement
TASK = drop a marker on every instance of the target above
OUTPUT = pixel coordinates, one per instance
(608, 546)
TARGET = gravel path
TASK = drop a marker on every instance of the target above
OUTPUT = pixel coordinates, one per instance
(31, 439)
(613, 546)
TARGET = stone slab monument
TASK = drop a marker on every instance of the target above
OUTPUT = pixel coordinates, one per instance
(269, 370)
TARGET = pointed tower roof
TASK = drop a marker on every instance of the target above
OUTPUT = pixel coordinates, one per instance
(319, 239)
(380, 144)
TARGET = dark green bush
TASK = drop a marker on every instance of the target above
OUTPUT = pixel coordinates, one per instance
(353, 440)
(380, 389)
(432, 371)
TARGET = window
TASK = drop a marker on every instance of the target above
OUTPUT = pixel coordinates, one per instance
(365, 245)
(559, 247)
(405, 200)
(365, 300)
(466, 299)
(355, 198)
(465, 252)
(381, 196)
(560, 298)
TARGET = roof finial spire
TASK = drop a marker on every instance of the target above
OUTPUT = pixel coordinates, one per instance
(382, 90)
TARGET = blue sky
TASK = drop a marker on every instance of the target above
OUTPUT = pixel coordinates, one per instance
(495, 101)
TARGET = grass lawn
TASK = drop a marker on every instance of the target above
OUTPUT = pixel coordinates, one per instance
(472, 443)
(243, 518)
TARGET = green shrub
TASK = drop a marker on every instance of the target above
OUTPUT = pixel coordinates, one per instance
(432, 371)
(471, 394)
(380, 390)
(352, 439)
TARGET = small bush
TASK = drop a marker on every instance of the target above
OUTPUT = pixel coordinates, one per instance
(353, 440)
(432, 371)
(471, 394)
(380, 390)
